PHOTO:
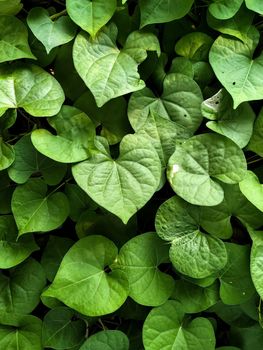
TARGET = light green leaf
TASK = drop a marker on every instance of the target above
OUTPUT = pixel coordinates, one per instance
(236, 69)
(35, 210)
(20, 291)
(256, 141)
(7, 154)
(13, 44)
(139, 259)
(107, 340)
(236, 124)
(256, 260)
(107, 71)
(161, 11)
(13, 251)
(50, 33)
(61, 331)
(194, 46)
(83, 275)
(91, 15)
(53, 254)
(180, 102)
(224, 9)
(21, 332)
(134, 175)
(166, 327)
(30, 87)
(30, 162)
(252, 190)
(194, 298)
(10, 7)
(74, 140)
(236, 285)
(201, 160)
(182, 65)
(192, 252)
(255, 5)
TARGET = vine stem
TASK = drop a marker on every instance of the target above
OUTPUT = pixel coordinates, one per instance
(57, 15)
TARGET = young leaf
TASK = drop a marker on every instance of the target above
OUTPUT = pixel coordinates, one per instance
(13, 251)
(107, 340)
(139, 259)
(82, 277)
(252, 190)
(167, 327)
(14, 44)
(134, 175)
(161, 11)
(50, 33)
(224, 9)
(20, 291)
(107, 71)
(35, 210)
(7, 154)
(91, 15)
(30, 87)
(74, 139)
(201, 160)
(61, 331)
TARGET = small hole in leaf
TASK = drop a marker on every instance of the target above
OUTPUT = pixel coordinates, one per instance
(185, 115)
(234, 83)
(107, 269)
(217, 102)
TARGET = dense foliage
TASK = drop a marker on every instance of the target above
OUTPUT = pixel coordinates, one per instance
(131, 156)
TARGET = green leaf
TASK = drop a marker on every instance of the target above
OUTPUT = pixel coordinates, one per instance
(194, 298)
(236, 285)
(161, 11)
(21, 332)
(35, 210)
(107, 71)
(6, 192)
(256, 141)
(61, 331)
(74, 139)
(194, 46)
(10, 7)
(14, 44)
(30, 162)
(252, 190)
(236, 124)
(82, 276)
(134, 175)
(139, 259)
(50, 33)
(255, 5)
(256, 260)
(13, 251)
(179, 102)
(166, 327)
(53, 254)
(223, 9)
(7, 154)
(107, 340)
(248, 338)
(20, 291)
(91, 15)
(196, 165)
(30, 87)
(236, 69)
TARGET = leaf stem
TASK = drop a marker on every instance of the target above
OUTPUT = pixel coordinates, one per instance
(59, 14)
(255, 161)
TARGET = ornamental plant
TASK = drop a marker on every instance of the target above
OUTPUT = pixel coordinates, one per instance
(131, 212)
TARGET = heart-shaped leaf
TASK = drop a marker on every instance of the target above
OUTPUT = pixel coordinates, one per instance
(118, 69)
(13, 44)
(194, 46)
(161, 11)
(107, 340)
(139, 259)
(35, 210)
(83, 281)
(256, 260)
(237, 70)
(192, 252)
(167, 327)
(7, 154)
(201, 160)
(224, 9)
(134, 175)
(50, 33)
(30, 87)
(91, 15)
(13, 251)
(74, 139)
(252, 190)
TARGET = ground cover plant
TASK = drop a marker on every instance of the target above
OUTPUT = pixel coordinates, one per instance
(131, 211)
